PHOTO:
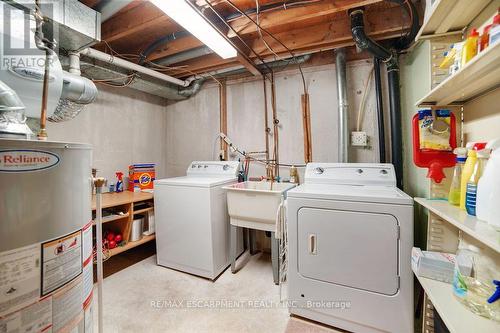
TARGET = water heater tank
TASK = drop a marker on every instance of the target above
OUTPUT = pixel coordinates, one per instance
(46, 258)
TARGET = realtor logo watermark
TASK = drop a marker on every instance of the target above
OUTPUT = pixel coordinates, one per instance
(18, 47)
(247, 304)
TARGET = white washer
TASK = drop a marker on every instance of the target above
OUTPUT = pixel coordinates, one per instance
(350, 235)
(191, 219)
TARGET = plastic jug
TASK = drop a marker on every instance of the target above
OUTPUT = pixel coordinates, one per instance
(487, 202)
(469, 50)
(471, 194)
(468, 169)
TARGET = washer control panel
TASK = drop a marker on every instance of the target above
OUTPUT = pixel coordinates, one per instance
(213, 168)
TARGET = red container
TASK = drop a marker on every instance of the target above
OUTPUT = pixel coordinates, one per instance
(434, 160)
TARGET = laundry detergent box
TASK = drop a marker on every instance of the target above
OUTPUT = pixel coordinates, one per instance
(141, 176)
(433, 265)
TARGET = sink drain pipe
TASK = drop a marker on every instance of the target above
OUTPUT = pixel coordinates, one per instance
(390, 57)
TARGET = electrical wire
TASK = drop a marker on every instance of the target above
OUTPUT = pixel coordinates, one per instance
(257, 8)
(273, 37)
(361, 108)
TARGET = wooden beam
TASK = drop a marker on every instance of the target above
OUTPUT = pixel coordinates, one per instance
(142, 17)
(175, 46)
(248, 65)
(284, 18)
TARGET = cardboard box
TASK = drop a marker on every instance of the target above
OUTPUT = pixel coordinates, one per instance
(141, 176)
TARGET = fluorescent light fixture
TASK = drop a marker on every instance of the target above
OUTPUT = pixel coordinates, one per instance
(186, 16)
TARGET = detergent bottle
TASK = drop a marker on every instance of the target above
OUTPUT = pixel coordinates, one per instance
(468, 169)
(454, 194)
(469, 50)
(471, 194)
(488, 195)
(119, 182)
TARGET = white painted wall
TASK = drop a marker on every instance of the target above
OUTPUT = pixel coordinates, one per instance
(124, 126)
(193, 124)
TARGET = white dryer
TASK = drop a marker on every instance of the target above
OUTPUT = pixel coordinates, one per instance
(191, 219)
(350, 232)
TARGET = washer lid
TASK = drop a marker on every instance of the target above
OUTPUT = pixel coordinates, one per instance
(357, 193)
(195, 181)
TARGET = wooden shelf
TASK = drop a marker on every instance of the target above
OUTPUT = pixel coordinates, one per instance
(122, 198)
(131, 245)
(479, 75)
(111, 218)
(457, 318)
(143, 210)
(475, 228)
(450, 16)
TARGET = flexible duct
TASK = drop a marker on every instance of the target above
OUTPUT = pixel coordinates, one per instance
(391, 59)
(12, 118)
(77, 92)
(341, 69)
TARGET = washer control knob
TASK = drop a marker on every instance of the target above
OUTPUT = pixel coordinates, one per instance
(383, 172)
(225, 167)
(199, 166)
(319, 170)
(205, 166)
(193, 166)
(359, 171)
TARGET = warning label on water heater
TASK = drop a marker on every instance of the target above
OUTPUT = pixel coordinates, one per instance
(61, 261)
(19, 278)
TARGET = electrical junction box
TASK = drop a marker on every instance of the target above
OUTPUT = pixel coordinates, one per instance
(359, 139)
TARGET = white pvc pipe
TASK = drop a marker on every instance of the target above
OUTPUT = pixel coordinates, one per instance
(95, 54)
(99, 257)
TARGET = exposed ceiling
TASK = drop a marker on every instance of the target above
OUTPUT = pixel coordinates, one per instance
(303, 26)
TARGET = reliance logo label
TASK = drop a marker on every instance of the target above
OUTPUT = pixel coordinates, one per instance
(27, 160)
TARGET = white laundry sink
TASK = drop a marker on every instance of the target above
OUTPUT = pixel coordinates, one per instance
(255, 205)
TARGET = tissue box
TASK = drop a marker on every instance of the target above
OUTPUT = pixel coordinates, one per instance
(433, 265)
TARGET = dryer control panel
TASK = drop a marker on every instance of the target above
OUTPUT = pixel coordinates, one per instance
(351, 174)
(213, 168)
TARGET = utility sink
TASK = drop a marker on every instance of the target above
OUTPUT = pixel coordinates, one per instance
(254, 204)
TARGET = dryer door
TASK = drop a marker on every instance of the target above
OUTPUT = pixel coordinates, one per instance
(353, 249)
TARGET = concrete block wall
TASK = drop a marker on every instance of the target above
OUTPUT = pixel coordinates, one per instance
(193, 124)
(124, 126)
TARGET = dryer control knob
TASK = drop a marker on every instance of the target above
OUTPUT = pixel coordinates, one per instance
(225, 167)
(383, 171)
(319, 170)
(205, 166)
(359, 171)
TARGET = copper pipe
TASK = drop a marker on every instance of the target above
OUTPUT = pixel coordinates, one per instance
(266, 120)
(42, 133)
(223, 118)
(275, 127)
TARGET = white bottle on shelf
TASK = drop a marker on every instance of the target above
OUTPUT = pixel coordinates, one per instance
(488, 192)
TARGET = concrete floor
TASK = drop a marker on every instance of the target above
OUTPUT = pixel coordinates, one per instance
(148, 298)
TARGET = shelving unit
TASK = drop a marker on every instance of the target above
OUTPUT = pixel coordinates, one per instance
(479, 75)
(124, 201)
(448, 16)
(475, 228)
(458, 318)
(445, 222)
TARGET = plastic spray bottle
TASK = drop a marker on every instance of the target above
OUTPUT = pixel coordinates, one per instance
(119, 182)
(454, 195)
(471, 194)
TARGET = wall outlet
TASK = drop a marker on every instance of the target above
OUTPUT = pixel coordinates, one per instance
(359, 139)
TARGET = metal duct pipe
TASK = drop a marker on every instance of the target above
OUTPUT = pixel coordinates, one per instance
(91, 53)
(109, 8)
(341, 69)
(395, 116)
(380, 110)
(12, 119)
(186, 55)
